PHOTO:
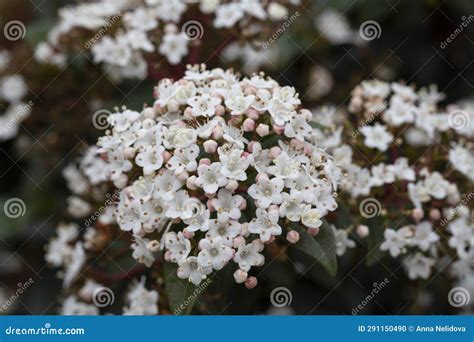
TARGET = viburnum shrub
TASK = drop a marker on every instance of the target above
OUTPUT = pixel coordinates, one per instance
(218, 168)
(127, 36)
(408, 169)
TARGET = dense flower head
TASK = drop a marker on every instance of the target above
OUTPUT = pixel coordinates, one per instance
(126, 33)
(216, 169)
(407, 157)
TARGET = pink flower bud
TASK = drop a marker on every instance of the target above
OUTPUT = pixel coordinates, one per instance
(262, 130)
(182, 176)
(417, 214)
(248, 125)
(261, 177)
(275, 151)
(313, 231)
(243, 205)
(435, 214)
(238, 241)
(250, 90)
(191, 183)
(308, 149)
(293, 236)
(362, 231)
(168, 256)
(270, 240)
(232, 185)
(205, 161)
(253, 114)
(166, 156)
(210, 146)
(278, 129)
(129, 152)
(220, 110)
(210, 206)
(251, 145)
(188, 234)
(251, 282)
(217, 133)
(240, 276)
(173, 105)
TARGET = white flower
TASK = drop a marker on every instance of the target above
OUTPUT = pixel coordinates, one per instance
(184, 159)
(342, 240)
(227, 205)
(267, 191)
(142, 251)
(178, 246)
(191, 269)
(151, 159)
(248, 255)
(74, 264)
(72, 307)
(210, 177)
(176, 207)
(179, 137)
(141, 301)
(141, 18)
(166, 185)
(226, 230)
(311, 217)
(12, 88)
(227, 15)
(419, 266)
(424, 236)
(377, 136)
(174, 46)
(204, 105)
(234, 165)
(214, 253)
(396, 241)
(266, 224)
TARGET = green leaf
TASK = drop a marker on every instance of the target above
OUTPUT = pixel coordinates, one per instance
(375, 239)
(322, 247)
(182, 294)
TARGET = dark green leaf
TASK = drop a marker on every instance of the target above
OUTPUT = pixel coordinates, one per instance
(182, 294)
(322, 247)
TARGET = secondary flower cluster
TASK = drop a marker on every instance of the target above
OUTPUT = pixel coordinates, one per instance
(421, 158)
(127, 31)
(12, 91)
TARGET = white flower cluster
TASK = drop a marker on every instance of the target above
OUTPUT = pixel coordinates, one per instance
(210, 147)
(397, 124)
(126, 31)
(12, 91)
